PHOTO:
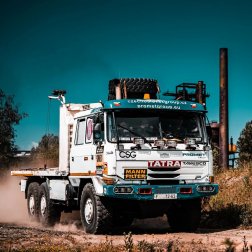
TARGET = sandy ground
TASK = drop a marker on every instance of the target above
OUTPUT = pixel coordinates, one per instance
(70, 236)
(18, 234)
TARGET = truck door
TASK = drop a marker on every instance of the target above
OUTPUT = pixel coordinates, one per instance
(83, 162)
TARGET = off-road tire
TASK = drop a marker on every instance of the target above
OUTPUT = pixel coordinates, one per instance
(185, 216)
(99, 219)
(136, 87)
(49, 214)
(33, 201)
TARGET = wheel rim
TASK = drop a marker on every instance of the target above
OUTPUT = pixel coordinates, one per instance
(32, 205)
(89, 211)
(43, 205)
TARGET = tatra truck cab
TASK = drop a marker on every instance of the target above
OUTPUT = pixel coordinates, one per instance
(124, 159)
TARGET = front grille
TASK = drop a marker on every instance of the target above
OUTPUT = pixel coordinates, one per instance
(163, 182)
(164, 169)
(158, 175)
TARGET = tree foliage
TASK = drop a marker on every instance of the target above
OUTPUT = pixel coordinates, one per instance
(244, 143)
(9, 117)
(47, 150)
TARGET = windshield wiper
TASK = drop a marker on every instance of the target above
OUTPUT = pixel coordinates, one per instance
(134, 133)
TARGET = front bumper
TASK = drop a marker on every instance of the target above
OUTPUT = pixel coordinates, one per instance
(160, 192)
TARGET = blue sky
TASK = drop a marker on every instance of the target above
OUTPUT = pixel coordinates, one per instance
(80, 45)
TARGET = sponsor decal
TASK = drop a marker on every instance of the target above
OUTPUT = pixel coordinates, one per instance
(176, 102)
(100, 150)
(191, 154)
(164, 155)
(132, 174)
(164, 163)
(144, 152)
(176, 154)
(194, 163)
(127, 154)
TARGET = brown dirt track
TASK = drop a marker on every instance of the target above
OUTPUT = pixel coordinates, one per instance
(17, 234)
(67, 237)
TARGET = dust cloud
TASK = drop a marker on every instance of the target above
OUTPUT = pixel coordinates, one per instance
(12, 201)
(69, 222)
(13, 207)
(66, 227)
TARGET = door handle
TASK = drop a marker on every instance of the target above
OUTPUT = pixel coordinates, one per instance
(72, 159)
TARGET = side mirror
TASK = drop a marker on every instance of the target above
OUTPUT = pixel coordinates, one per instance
(101, 118)
(97, 132)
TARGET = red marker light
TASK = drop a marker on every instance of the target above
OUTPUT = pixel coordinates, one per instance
(117, 104)
(193, 105)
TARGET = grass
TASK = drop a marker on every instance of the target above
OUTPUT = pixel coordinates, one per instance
(232, 206)
(141, 246)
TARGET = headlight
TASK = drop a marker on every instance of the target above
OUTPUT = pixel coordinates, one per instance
(159, 143)
(123, 189)
(205, 188)
(171, 143)
(190, 141)
(138, 141)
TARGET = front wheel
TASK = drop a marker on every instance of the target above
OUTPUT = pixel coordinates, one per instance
(95, 216)
(185, 215)
(49, 214)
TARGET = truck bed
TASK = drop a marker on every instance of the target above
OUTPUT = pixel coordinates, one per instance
(39, 172)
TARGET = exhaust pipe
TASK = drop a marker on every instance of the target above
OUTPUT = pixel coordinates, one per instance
(223, 133)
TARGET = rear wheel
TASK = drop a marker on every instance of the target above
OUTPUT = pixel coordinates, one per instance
(49, 214)
(185, 216)
(95, 216)
(33, 201)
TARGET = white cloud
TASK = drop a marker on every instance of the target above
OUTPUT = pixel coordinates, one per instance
(33, 144)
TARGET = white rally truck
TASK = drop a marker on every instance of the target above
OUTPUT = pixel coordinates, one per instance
(133, 156)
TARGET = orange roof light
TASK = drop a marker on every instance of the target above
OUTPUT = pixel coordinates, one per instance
(146, 96)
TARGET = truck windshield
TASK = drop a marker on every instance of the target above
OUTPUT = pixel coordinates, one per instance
(152, 125)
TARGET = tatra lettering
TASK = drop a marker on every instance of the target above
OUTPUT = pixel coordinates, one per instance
(164, 163)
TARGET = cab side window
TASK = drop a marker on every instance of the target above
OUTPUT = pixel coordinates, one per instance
(80, 133)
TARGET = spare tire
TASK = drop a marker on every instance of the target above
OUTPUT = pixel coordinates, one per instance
(136, 87)
(111, 97)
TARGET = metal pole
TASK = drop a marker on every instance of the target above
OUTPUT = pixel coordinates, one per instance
(199, 95)
(223, 108)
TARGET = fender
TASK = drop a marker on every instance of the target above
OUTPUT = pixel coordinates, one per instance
(98, 185)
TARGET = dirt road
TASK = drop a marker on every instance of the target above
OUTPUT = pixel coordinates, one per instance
(17, 234)
(146, 236)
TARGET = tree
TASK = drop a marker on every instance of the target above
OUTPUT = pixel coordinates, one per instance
(47, 150)
(9, 117)
(244, 143)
